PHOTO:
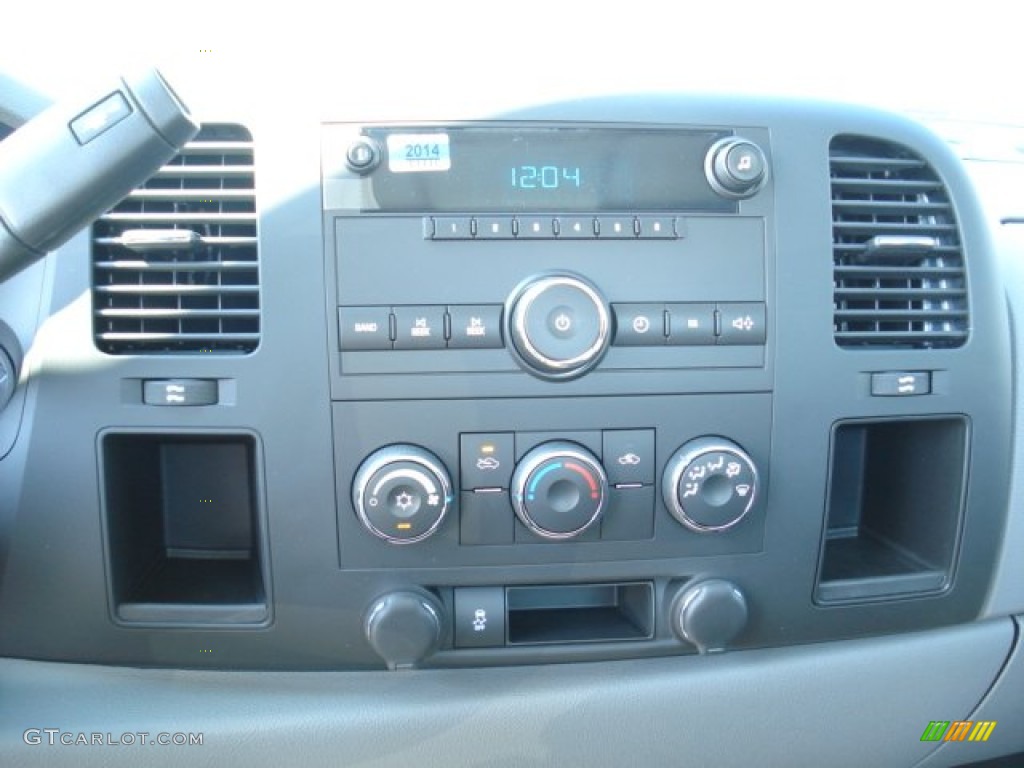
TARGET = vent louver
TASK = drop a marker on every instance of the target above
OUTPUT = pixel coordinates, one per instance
(898, 261)
(175, 264)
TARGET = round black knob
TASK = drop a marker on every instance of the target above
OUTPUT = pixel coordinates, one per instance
(736, 168)
(363, 155)
(709, 484)
(402, 493)
(404, 628)
(559, 324)
(559, 490)
(709, 614)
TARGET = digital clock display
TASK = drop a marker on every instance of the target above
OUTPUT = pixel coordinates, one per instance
(508, 168)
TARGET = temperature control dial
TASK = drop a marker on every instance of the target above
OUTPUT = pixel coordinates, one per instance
(402, 493)
(559, 490)
(710, 484)
(560, 326)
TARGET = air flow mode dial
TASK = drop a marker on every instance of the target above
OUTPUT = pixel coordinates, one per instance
(710, 484)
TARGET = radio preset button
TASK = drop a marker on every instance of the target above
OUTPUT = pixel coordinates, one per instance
(575, 227)
(475, 326)
(741, 324)
(494, 228)
(639, 325)
(691, 324)
(453, 228)
(419, 327)
(656, 227)
(559, 325)
(616, 227)
(535, 227)
(362, 328)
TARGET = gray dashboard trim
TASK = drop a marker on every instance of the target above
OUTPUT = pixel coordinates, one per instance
(829, 705)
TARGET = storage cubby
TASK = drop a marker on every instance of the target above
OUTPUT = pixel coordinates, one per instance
(580, 613)
(183, 528)
(894, 511)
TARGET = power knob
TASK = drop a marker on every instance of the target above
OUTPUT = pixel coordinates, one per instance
(710, 484)
(559, 324)
(402, 493)
(736, 168)
(559, 490)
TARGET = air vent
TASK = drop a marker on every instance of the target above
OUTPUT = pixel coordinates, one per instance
(175, 264)
(899, 265)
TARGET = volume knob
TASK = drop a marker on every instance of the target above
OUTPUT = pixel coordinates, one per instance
(559, 324)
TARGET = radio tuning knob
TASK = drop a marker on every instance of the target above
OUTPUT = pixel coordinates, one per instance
(559, 490)
(402, 493)
(559, 324)
(736, 168)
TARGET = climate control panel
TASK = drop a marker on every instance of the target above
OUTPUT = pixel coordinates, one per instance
(469, 487)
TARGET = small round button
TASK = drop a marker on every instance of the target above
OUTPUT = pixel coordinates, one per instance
(710, 484)
(735, 168)
(559, 325)
(559, 489)
(363, 155)
(402, 493)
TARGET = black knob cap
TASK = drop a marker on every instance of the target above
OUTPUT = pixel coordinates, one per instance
(559, 490)
(363, 155)
(404, 628)
(736, 168)
(710, 484)
(709, 614)
(402, 493)
(559, 324)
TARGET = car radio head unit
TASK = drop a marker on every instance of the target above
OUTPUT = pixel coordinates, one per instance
(531, 168)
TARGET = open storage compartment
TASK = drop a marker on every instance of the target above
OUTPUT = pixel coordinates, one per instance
(895, 505)
(184, 533)
(580, 613)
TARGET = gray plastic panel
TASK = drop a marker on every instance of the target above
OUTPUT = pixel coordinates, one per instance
(1003, 704)
(1007, 595)
(829, 705)
(49, 482)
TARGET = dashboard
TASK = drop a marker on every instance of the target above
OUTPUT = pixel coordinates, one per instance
(385, 435)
